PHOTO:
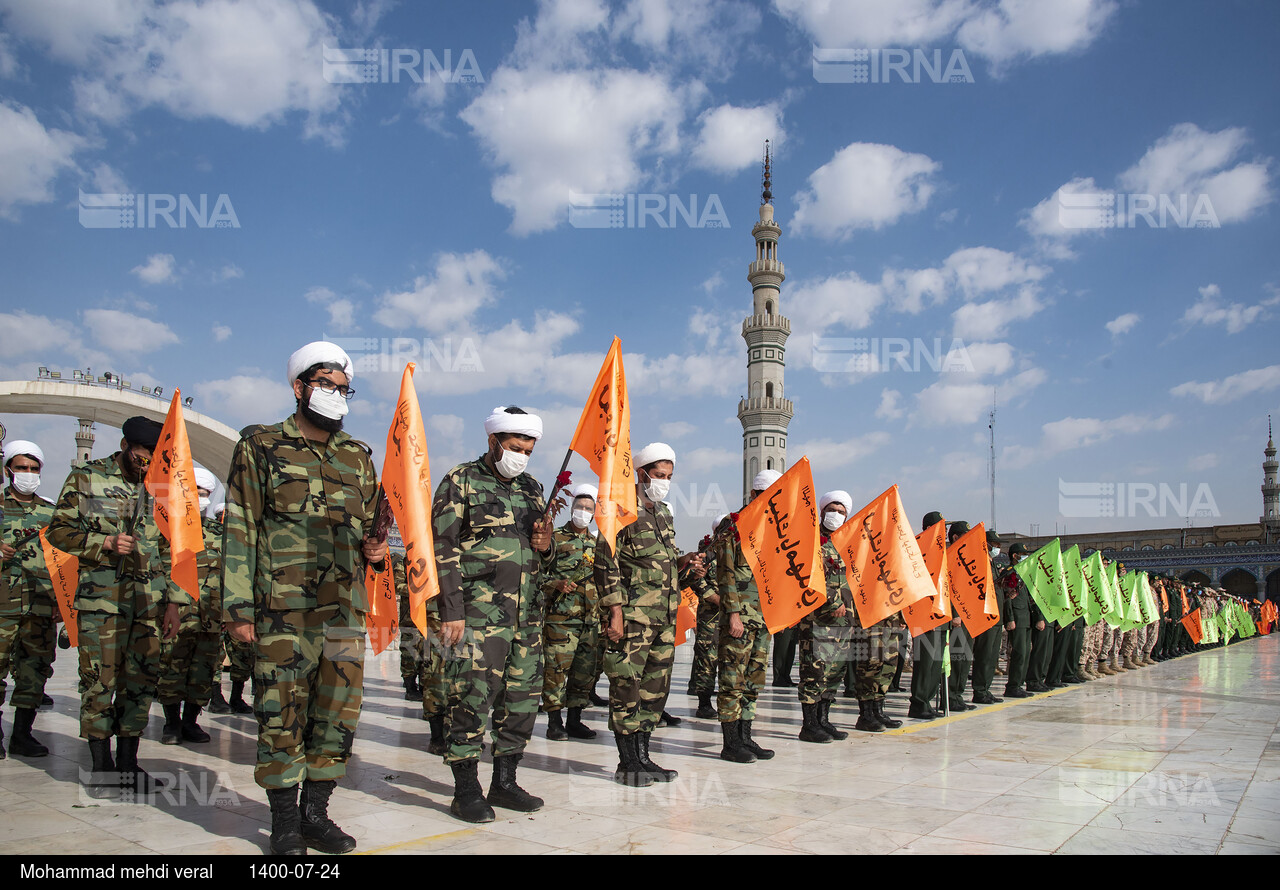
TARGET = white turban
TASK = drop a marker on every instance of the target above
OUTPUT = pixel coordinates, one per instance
(520, 424)
(215, 509)
(22, 446)
(205, 479)
(836, 497)
(586, 490)
(320, 352)
(764, 479)
(719, 519)
(652, 453)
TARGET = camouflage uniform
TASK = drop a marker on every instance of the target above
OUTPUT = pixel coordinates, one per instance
(413, 645)
(239, 657)
(702, 675)
(119, 621)
(297, 513)
(489, 579)
(742, 661)
(572, 625)
(825, 640)
(189, 660)
(876, 659)
(642, 580)
(429, 657)
(28, 622)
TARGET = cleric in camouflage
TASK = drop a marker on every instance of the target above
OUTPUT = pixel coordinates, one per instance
(489, 575)
(191, 659)
(29, 614)
(702, 674)
(294, 560)
(119, 621)
(572, 625)
(825, 634)
(742, 659)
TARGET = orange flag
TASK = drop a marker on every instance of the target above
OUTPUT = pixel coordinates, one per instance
(1164, 601)
(969, 575)
(384, 615)
(64, 571)
(406, 480)
(171, 480)
(925, 615)
(1186, 607)
(603, 437)
(686, 615)
(779, 536)
(1194, 626)
(882, 560)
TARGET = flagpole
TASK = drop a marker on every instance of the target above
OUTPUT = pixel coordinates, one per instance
(561, 480)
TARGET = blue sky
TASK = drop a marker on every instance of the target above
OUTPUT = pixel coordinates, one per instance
(443, 211)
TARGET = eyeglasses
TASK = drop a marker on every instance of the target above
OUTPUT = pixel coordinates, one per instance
(325, 386)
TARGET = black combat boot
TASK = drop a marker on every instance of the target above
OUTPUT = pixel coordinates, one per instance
(867, 719)
(286, 822)
(555, 726)
(749, 743)
(706, 710)
(734, 751)
(468, 802)
(575, 726)
(503, 790)
(132, 775)
(318, 829)
(46, 701)
(191, 731)
(171, 734)
(917, 712)
(23, 743)
(411, 690)
(2, 754)
(885, 719)
(824, 720)
(597, 700)
(642, 749)
(218, 704)
(103, 780)
(439, 743)
(630, 771)
(238, 704)
(810, 730)
(669, 720)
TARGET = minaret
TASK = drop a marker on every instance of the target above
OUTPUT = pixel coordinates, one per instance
(764, 413)
(1270, 518)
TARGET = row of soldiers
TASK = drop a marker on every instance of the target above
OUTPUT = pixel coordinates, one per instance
(523, 613)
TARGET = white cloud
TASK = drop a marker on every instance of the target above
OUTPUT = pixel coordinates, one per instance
(221, 333)
(31, 157)
(1232, 388)
(108, 180)
(122, 333)
(890, 405)
(872, 23)
(1123, 324)
(158, 269)
(1017, 29)
(864, 186)
(980, 321)
(1045, 221)
(8, 59)
(1202, 462)
(1210, 310)
(677, 429)
(707, 33)
(1072, 433)
(983, 270)
(833, 453)
(731, 138)
(342, 311)
(907, 289)
(228, 272)
(956, 399)
(1190, 161)
(700, 460)
(27, 334)
(844, 300)
(558, 134)
(246, 398)
(459, 286)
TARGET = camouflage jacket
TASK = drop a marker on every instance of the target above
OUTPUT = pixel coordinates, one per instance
(706, 585)
(838, 592)
(488, 569)
(297, 513)
(26, 575)
(209, 569)
(643, 578)
(575, 558)
(97, 502)
(734, 578)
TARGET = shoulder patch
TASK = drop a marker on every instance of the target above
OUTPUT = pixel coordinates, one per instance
(361, 445)
(259, 429)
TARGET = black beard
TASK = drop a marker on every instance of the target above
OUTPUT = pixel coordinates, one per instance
(328, 424)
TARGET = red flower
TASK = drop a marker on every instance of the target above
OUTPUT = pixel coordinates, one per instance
(563, 479)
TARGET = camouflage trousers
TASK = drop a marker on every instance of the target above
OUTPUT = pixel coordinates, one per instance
(188, 663)
(9, 622)
(498, 671)
(1092, 643)
(875, 660)
(1107, 642)
(435, 691)
(569, 669)
(702, 676)
(28, 654)
(1128, 643)
(240, 656)
(824, 654)
(639, 670)
(742, 671)
(413, 651)
(308, 676)
(1152, 633)
(119, 670)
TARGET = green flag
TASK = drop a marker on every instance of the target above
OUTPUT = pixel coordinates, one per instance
(1132, 602)
(1073, 584)
(1208, 629)
(1042, 573)
(1114, 617)
(1090, 573)
(1149, 608)
(1224, 624)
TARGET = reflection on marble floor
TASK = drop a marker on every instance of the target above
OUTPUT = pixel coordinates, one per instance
(1182, 757)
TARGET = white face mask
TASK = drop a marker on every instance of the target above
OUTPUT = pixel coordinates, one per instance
(831, 520)
(582, 518)
(26, 483)
(995, 551)
(656, 489)
(512, 464)
(328, 404)
(204, 504)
